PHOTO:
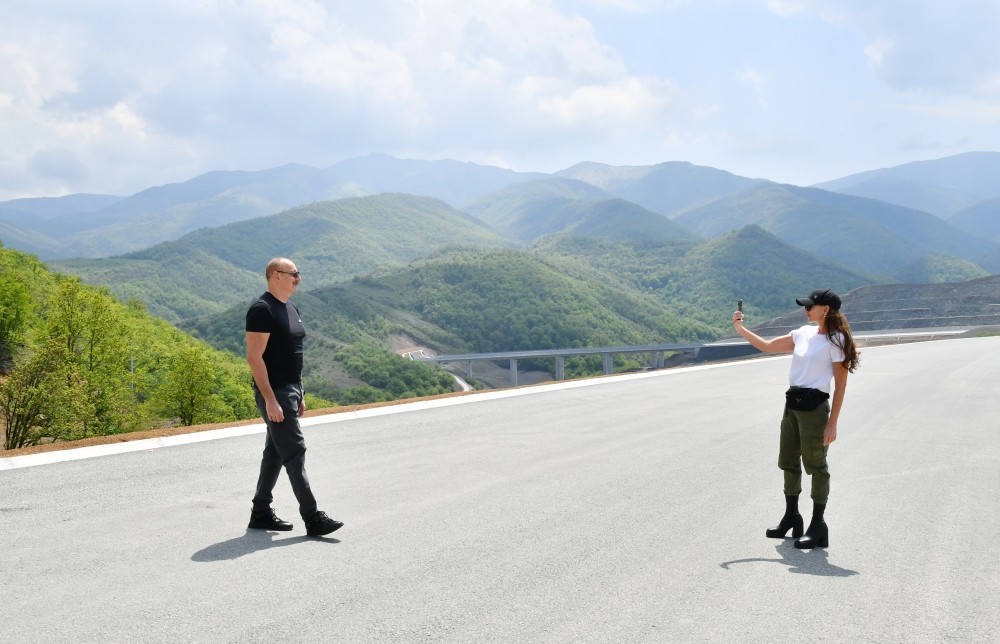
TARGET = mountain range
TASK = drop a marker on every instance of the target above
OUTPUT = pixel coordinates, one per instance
(88, 226)
(942, 187)
(196, 247)
(462, 257)
(210, 269)
(878, 206)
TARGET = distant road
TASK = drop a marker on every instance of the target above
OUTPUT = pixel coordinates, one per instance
(419, 353)
(620, 509)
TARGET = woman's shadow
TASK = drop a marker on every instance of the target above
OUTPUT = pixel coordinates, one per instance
(801, 562)
(252, 541)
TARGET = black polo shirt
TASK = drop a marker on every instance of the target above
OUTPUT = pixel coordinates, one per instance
(283, 354)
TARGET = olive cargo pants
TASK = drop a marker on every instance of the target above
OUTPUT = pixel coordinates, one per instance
(802, 445)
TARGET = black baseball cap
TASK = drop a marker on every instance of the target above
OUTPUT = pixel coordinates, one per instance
(821, 296)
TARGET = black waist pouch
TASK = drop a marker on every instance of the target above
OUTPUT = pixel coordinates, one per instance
(803, 399)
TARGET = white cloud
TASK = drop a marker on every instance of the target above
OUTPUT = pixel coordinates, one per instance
(113, 95)
(312, 49)
(130, 123)
(29, 76)
(876, 54)
(638, 6)
(596, 105)
(922, 45)
(786, 8)
(755, 80)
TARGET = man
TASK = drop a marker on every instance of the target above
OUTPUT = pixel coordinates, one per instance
(275, 335)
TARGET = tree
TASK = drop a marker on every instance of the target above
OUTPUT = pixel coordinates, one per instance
(43, 398)
(93, 327)
(188, 392)
(14, 302)
(15, 306)
(232, 382)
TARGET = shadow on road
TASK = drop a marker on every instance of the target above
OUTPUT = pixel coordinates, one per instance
(801, 562)
(251, 541)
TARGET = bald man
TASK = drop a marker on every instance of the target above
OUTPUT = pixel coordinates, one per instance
(275, 336)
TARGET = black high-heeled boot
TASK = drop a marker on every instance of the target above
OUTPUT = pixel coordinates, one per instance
(817, 534)
(792, 519)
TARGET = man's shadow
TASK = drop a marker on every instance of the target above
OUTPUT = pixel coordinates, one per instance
(800, 562)
(251, 541)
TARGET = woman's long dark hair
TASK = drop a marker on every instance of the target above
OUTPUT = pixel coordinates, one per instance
(839, 332)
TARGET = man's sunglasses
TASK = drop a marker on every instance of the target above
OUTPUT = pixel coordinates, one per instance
(292, 273)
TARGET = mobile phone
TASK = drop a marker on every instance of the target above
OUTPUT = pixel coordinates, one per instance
(739, 305)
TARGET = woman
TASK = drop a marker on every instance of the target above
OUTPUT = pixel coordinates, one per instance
(820, 353)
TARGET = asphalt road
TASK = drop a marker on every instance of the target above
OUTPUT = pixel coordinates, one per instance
(631, 509)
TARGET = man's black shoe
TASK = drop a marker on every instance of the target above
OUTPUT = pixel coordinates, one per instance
(320, 524)
(267, 520)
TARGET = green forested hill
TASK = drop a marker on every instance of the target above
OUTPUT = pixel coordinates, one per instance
(20, 237)
(172, 283)
(701, 282)
(511, 209)
(76, 362)
(454, 182)
(209, 270)
(85, 226)
(564, 292)
(147, 229)
(100, 225)
(665, 188)
(982, 219)
(531, 210)
(474, 300)
(861, 233)
(757, 267)
(36, 225)
(940, 270)
(507, 300)
(620, 220)
(939, 186)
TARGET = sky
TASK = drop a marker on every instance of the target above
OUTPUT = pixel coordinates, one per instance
(115, 96)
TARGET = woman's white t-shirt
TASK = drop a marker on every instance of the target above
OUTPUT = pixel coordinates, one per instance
(813, 358)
